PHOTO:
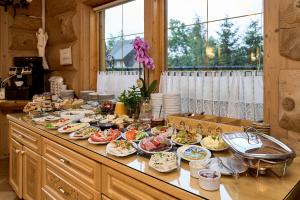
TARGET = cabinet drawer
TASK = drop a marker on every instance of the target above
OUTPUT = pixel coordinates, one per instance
(76, 165)
(60, 186)
(47, 196)
(27, 137)
(116, 185)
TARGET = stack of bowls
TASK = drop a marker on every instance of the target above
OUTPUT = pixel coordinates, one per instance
(93, 96)
(85, 94)
(67, 94)
(156, 105)
(171, 104)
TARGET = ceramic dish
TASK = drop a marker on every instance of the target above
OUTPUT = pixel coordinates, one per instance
(163, 130)
(57, 124)
(193, 152)
(186, 138)
(209, 179)
(52, 118)
(104, 137)
(196, 165)
(164, 162)
(121, 148)
(83, 133)
(139, 127)
(155, 144)
(134, 135)
(214, 143)
(75, 116)
(72, 127)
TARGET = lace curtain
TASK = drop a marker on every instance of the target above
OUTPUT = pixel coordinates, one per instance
(237, 94)
(115, 82)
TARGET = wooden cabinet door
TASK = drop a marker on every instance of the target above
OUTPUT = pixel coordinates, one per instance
(31, 174)
(15, 167)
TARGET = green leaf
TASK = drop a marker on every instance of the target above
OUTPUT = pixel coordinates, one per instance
(152, 87)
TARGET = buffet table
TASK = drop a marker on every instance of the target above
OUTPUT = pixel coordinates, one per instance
(129, 177)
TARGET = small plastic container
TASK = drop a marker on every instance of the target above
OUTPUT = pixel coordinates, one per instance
(209, 179)
(196, 165)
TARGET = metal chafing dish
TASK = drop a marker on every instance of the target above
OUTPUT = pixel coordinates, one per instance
(260, 152)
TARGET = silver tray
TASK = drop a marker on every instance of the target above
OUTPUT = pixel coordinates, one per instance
(255, 145)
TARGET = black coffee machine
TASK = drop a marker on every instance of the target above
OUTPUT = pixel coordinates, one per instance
(27, 78)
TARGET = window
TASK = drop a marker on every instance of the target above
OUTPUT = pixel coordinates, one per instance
(122, 24)
(215, 34)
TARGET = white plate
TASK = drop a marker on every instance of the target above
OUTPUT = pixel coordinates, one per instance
(81, 138)
(39, 119)
(230, 162)
(211, 149)
(153, 152)
(124, 137)
(198, 140)
(77, 127)
(170, 131)
(52, 118)
(151, 164)
(93, 142)
(182, 149)
(123, 154)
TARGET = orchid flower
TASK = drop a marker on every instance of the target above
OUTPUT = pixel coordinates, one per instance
(141, 53)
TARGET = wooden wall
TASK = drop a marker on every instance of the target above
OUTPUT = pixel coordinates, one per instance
(68, 25)
(273, 64)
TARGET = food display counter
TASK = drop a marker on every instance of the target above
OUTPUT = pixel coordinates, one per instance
(75, 169)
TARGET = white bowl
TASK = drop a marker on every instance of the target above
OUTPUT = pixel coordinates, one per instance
(196, 166)
(19, 83)
(208, 183)
(75, 116)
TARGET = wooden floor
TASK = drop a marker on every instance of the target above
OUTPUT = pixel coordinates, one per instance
(6, 192)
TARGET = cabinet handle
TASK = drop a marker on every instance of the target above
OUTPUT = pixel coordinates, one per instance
(22, 152)
(17, 151)
(20, 136)
(63, 191)
(64, 161)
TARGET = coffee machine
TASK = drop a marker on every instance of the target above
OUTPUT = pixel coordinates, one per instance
(27, 78)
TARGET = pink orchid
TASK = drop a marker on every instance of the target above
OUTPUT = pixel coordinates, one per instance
(141, 53)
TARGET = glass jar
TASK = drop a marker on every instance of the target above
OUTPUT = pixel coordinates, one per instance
(145, 111)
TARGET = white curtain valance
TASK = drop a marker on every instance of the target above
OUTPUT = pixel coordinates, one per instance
(237, 94)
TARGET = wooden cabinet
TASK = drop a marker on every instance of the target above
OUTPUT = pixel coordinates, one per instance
(26, 137)
(15, 167)
(105, 197)
(117, 186)
(31, 174)
(24, 171)
(77, 166)
(56, 183)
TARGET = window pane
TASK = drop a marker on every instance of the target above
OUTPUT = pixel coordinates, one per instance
(113, 22)
(186, 45)
(133, 17)
(235, 42)
(120, 53)
(187, 11)
(218, 9)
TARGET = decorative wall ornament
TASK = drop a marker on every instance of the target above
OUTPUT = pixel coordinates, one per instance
(42, 38)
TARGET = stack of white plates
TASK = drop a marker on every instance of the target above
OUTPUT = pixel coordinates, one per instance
(171, 104)
(85, 94)
(156, 105)
(67, 94)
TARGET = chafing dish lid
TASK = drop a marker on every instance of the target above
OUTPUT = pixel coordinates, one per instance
(257, 146)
